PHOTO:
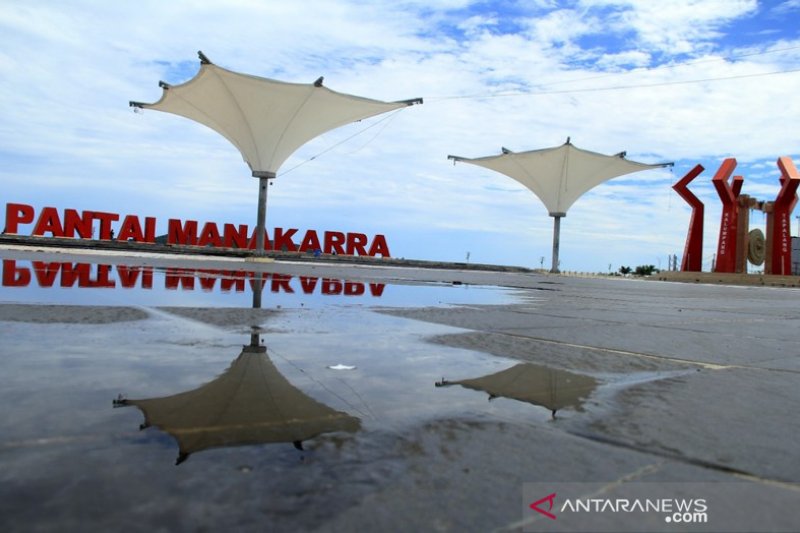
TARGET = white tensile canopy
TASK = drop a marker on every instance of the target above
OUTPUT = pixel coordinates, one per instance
(267, 120)
(559, 175)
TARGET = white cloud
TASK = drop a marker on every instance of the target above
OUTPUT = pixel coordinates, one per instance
(674, 26)
(631, 58)
(561, 27)
(786, 7)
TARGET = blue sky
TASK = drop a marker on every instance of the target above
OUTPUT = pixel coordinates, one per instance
(684, 81)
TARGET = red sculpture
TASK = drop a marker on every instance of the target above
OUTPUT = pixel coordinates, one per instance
(692, 260)
(726, 246)
(735, 239)
(781, 253)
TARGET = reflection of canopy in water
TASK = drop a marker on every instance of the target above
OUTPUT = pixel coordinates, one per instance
(250, 403)
(539, 385)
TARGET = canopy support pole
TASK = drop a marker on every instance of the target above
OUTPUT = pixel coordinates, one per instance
(261, 220)
(556, 240)
(258, 286)
(255, 335)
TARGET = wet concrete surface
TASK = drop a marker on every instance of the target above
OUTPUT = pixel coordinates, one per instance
(739, 349)
(695, 384)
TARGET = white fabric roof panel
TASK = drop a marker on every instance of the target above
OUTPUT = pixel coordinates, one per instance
(559, 175)
(267, 120)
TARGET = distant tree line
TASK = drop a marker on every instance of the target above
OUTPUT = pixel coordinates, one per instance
(641, 270)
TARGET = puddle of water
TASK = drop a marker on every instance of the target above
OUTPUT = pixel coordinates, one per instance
(31, 281)
(204, 384)
(392, 383)
(59, 379)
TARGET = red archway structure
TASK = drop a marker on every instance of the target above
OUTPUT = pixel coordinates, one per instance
(733, 243)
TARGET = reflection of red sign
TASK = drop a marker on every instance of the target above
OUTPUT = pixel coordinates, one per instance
(86, 275)
(81, 225)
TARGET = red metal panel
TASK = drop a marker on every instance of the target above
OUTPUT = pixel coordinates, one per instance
(692, 260)
(784, 203)
(726, 246)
